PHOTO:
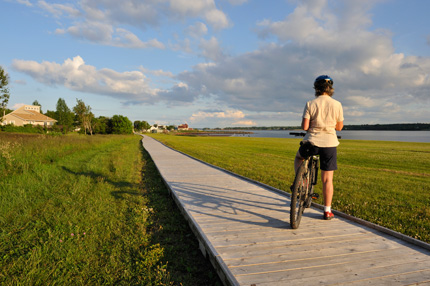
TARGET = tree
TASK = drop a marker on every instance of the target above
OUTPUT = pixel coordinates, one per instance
(4, 92)
(64, 115)
(136, 125)
(51, 114)
(101, 125)
(121, 125)
(146, 125)
(85, 116)
(171, 127)
(141, 125)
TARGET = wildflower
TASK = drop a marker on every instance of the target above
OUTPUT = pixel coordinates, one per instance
(72, 234)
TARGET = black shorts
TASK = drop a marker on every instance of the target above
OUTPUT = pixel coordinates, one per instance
(328, 155)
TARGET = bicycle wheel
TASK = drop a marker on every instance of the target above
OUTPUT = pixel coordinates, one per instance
(299, 195)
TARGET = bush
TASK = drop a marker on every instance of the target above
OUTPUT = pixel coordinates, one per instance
(121, 125)
(23, 129)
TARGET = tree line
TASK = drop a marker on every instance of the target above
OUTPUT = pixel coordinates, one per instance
(78, 118)
(394, 127)
(81, 118)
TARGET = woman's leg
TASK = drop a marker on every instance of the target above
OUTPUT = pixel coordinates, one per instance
(327, 180)
(297, 161)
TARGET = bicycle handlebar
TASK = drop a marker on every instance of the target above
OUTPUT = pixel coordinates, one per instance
(298, 134)
(302, 134)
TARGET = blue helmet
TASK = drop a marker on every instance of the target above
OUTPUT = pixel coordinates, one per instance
(322, 79)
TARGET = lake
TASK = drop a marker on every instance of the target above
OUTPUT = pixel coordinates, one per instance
(404, 136)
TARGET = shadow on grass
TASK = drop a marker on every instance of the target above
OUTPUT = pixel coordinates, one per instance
(123, 185)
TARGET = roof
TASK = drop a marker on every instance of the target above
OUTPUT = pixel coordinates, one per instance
(31, 115)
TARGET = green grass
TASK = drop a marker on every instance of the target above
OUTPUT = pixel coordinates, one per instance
(90, 210)
(387, 183)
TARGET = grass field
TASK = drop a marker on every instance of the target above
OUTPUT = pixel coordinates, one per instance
(90, 210)
(387, 183)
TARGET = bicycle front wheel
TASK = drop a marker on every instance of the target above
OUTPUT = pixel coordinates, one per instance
(298, 196)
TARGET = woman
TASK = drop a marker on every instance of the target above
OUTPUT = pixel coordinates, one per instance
(321, 118)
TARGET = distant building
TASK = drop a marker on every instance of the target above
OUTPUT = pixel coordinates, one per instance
(28, 114)
(157, 128)
(183, 127)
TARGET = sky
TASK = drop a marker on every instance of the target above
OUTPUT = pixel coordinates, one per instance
(219, 63)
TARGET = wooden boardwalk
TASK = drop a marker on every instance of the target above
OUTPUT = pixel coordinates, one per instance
(243, 228)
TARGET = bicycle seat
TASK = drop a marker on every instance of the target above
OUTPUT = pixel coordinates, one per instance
(307, 149)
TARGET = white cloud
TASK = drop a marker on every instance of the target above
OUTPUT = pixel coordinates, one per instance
(244, 123)
(228, 117)
(318, 37)
(107, 23)
(74, 74)
(211, 49)
(157, 72)
(97, 32)
(197, 30)
(105, 34)
(198, 8)
(315, 40)
(217, 19)
(231, 114)
(183, 45)
(25, 2)
(58, 10)
(237, 2)
(126, 39)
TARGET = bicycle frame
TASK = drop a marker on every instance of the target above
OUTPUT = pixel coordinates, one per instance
(302, 191)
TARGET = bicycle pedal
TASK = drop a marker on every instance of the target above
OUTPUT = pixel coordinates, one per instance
(315, 196)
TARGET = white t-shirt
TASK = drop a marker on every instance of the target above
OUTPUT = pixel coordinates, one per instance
(323, 113)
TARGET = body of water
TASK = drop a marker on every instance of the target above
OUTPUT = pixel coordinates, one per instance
(404, 136)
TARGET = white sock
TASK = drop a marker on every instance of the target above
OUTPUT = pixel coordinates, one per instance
(327, 209)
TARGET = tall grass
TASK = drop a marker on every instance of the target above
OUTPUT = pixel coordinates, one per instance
(387, 183)
(90, 210)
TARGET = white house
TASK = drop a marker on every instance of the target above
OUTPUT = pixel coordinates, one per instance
(157, 129)
(27, 114)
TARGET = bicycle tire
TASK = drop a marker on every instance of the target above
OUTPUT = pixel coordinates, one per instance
(298, 195)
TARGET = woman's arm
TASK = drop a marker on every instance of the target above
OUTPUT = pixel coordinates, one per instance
(305, 124)
(339, 126)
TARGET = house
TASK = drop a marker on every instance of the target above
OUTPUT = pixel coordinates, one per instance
(183, 127)
(157, 128)
(28, 114)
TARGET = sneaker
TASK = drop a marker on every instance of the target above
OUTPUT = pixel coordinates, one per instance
(328, 215)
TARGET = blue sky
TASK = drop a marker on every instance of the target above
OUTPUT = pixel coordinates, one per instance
(219, 63)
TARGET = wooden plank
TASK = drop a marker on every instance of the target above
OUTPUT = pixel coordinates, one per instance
(268, 237)
(309, 264)
(338, 273)
(243, 229)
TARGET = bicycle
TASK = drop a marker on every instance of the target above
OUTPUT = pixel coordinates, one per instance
(302, 190)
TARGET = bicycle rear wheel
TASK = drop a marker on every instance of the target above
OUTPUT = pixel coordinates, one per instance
(299, 195)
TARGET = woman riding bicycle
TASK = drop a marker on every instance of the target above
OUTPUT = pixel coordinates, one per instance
(321, 118)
